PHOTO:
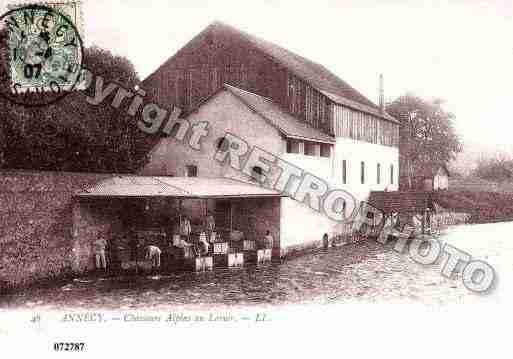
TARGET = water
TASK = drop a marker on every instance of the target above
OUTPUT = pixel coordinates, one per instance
(304, 278)
(367, 271)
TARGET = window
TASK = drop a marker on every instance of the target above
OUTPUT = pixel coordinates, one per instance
(344, 172)
(191, 171)
(378, 173)
(257, 174)
(222, 144)
(310, 149)
(325, 150)
(362, 172)
(293, 146)
(391, 174)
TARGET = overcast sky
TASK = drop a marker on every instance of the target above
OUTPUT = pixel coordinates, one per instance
(461, 51)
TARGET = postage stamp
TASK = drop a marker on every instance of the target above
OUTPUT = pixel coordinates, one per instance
(44, 49)
(44, 52)
(70, 8)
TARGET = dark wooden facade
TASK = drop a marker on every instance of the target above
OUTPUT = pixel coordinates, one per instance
(220, 55)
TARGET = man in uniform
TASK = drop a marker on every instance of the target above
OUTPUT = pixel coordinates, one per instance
(99, 246)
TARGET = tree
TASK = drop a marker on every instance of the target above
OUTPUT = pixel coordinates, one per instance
(71, 134)
(426, 134)
(497, 169)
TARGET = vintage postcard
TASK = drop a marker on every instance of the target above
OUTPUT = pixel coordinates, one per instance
(280, 178)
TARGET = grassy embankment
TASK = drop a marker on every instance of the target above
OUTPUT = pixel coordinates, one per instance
(483, 206)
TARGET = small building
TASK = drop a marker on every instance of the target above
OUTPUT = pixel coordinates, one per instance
(433, 177)
(125, 207)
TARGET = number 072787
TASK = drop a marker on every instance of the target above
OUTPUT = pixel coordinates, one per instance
(69, 347)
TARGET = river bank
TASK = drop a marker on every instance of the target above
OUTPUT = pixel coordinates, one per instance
(364, 272)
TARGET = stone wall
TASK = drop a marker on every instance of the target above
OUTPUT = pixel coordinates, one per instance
(93, 219)
(36, 212)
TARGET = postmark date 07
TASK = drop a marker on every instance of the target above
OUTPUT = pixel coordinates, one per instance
(69, 347)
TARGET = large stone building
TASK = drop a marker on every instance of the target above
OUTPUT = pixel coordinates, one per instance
(283, 103)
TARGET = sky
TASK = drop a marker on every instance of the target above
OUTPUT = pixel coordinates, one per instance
(461, 51)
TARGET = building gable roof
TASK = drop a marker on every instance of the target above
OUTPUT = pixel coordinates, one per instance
(284, 122)
(318, 76)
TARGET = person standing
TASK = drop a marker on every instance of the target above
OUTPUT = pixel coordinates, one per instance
(210, 225)
(268, 240)
(99, 246)
(185, 227)
(427, 221)
(204, 243)
(325, 241)
(153, 253)
(133, 244)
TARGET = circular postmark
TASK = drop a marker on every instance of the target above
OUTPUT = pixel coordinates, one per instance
(41, 55)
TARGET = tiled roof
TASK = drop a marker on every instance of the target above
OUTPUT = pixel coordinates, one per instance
(315, 74)
(358, 106)
(287, 124)
(179, 187)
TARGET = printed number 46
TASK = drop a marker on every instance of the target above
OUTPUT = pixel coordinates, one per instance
(28, 71)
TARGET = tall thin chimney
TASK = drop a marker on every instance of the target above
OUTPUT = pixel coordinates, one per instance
(381, 94)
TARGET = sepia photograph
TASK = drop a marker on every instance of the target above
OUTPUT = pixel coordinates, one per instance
(233, 178)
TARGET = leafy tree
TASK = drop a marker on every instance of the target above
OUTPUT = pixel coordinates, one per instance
(71, 134)
(426, 134)
(498, 169)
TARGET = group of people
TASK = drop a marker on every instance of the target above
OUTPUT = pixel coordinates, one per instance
(419, 224)
(182, 235)
(181, 238)
(152, 252)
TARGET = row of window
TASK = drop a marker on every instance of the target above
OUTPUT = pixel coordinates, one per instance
(257, 173)
(362, 172)
(309, 148)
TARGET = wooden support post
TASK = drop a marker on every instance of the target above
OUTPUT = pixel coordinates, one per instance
(231, 216)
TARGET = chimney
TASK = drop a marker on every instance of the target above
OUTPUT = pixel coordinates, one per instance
(381, 94)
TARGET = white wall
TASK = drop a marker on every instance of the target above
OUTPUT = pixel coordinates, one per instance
(315, 165)
(301, 225)
(356, 151)
(225, 113)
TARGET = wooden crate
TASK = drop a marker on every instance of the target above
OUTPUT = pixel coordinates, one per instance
(204, 264)
(248, 245)
(236, 260)
(221, 248)
(264, 255)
